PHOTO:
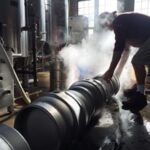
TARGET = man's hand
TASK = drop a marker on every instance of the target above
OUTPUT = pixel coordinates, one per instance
(108, 75)
(115, 59)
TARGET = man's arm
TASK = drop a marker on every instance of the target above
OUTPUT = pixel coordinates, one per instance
(117, 53)
(117, 56)
(115, 59)
(123, 60)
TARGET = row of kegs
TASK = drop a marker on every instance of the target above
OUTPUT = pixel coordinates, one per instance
(56, 119)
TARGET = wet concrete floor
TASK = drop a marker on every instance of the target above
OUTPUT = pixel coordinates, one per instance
(118, 129)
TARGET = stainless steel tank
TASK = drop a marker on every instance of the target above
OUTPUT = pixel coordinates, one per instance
(39, 14)
(12, 19)
(9, 23)
(59, 22)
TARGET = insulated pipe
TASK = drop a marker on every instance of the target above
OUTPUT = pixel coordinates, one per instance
(55, 119)
(37, 16)
(49, 23)
(60, 22)
(23, 34)
(42, 21)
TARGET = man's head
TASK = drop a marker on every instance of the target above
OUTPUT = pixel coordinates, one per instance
(105, 19)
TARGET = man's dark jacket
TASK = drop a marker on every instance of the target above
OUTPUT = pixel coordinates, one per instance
(133, 28)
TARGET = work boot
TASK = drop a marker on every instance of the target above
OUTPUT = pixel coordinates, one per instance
(130, 92)
(135, 103)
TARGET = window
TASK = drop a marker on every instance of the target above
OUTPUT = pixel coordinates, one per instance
(107, 5)
(86, 8)
(142, 6)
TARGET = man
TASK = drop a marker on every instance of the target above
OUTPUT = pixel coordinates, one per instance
(131, 29)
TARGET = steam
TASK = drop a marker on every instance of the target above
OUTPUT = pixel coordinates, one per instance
(89, 58)
(106, 18)
(93, 55)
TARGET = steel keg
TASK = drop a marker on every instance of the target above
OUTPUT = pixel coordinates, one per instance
(11, 139)
(57, 118)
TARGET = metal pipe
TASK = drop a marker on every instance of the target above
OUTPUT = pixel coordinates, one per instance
(49, 24)
(60, 22)
(42, 21)
(23, 34)
(55, 119)
(56, 75)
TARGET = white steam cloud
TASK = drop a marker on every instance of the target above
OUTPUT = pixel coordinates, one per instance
(92, 57)
(89, 58)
